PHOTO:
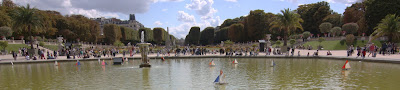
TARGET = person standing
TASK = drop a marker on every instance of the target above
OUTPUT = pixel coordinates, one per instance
(14, 55)
(371, 49)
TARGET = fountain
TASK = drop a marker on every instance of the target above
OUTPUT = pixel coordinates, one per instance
(144, 48)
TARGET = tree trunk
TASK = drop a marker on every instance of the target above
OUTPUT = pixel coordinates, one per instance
(30, 35)
(285, 37)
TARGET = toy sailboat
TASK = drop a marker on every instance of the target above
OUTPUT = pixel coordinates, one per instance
(273, 63)
(235, 62)
(346, 65)
(103, 63)
(56, 63)
(78, 63)
(212, 63)
(220, 79)
(12, 63)
(162, 58)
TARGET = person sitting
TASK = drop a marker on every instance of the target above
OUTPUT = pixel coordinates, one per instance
(315, 53)
(328, 53)
(34, 58)
(27, 57)
(50, 57)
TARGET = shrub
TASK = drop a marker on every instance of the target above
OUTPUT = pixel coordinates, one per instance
(342, 42)
(350, 28)
(3, 45)
(350, 39)
(292, 41)
(41, 43)
(277, 43)
(306, 34)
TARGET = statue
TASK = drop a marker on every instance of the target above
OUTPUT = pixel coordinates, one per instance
(144, 48)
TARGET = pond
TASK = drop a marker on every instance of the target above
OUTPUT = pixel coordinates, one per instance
(249, 73)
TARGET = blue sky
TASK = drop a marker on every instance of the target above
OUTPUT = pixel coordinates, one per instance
(178, 15)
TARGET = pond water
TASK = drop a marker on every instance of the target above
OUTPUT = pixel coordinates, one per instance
(249, 73)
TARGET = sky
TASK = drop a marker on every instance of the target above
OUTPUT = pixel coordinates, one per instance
(178, 15)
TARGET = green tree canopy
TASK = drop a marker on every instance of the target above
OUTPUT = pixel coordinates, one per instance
(350, 28)
(112, 33)
(313, 15)
(325, 27)
(5, 31)
(287, 22)
(389, 26)
(376, 10)
(207, 36)
(335, 31)
(193, 37)
(235, 32)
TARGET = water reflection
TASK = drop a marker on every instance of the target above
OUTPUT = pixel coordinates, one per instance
(196, 74)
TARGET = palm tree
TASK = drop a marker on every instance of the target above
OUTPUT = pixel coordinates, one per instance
(389, 26)
(286, 22)
(25, 18)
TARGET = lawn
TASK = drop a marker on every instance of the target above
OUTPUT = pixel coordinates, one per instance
(51, 47)
(335, 45)
(15, 47)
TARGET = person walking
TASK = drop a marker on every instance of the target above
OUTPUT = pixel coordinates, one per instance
(371, 49)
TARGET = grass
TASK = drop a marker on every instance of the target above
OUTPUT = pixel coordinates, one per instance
(15, 47)
(335, 45)
(51, 47)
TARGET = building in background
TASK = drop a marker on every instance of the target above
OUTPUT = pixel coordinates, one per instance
(131, 23)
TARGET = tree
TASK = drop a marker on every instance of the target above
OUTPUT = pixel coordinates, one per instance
(193, 37)
(287, 22)
(313, 15)
(356, 14)
(5, 31)
(257, 23)
(335, 19)
(112, 33)
(5, 20)
(26, 18)
(389, 26)
(325, 27)
(236, 32)
(207, 36)
(306, 34)
(335, 31)
(3, 45)
(278, 43)
(129, 35)
(320, 40)
(148, 34)
(221, 35)
(350, 28)
(158, 35)
(376, 10)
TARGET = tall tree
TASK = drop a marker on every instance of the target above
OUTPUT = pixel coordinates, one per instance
(256, 25)
(376, 10)
(235, 32)
(112, 33)
(207, 36)
(193, 37)
(313, 15)
(26, 19)
(389, 26)
(158, 36)
(356, 14)
(286, 22)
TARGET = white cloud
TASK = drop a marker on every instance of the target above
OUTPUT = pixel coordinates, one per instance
(164, 10)
(94, 8)
(158, 23)
(185, 17)
(203, 8)
(231, 0)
